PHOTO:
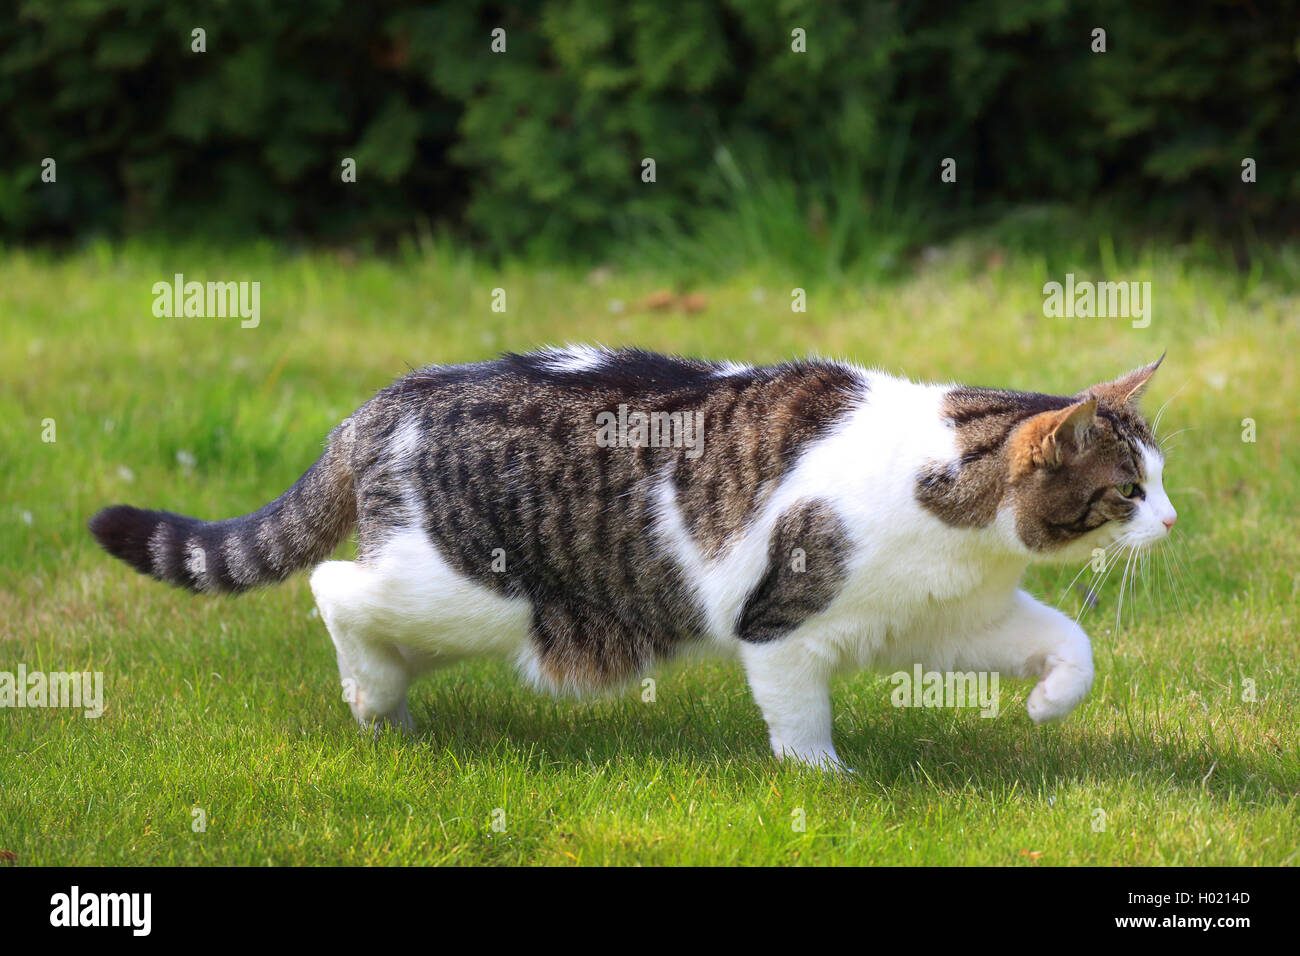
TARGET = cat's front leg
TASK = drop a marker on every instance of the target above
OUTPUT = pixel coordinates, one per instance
(1067, 678)
(1033, 639)
(791, 685)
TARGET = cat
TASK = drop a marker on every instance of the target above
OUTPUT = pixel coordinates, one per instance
(589, 512)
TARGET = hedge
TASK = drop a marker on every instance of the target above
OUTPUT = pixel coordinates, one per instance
(543, 145)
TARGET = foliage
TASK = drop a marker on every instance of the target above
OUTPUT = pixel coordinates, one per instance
(541, 146)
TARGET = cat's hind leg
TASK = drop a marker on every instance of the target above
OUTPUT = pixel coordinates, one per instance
(374, 672)
(405, 611)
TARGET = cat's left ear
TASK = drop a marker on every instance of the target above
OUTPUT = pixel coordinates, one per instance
(1126, 388)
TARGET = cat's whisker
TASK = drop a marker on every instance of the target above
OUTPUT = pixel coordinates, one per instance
(1181, 573)
(1095, 586)
(1090, 593)
(1155, 422)
(1154, 581)
(1069, 587)
(1139, 575)
(1123, 583)
(1168, 444)
(1098, 576)
(1110, 566)
(1123, 586)
(1150, 588)
(1129, 588)
(1168, 565)
(1161, 565)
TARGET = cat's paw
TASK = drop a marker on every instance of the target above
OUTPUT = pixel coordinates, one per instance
(1059, 693)
(819, 758)
(398, 720)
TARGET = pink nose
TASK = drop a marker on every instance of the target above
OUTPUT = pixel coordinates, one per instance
(1169, 522)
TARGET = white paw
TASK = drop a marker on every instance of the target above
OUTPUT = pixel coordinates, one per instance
(1057, 694)
(399, 719)
(819, 758)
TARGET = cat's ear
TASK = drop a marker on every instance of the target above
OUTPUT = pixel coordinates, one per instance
(1126, 388)
(1045, 440)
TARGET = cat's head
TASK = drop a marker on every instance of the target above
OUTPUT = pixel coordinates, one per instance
(1089, 474)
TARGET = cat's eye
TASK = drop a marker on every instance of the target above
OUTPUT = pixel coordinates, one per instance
(1130, 489)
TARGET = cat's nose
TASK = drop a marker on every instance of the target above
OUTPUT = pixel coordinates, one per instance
(1170, 519)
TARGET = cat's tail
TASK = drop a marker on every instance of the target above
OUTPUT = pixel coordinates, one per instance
(299, 528)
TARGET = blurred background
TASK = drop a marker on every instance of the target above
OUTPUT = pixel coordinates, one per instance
(827, 158)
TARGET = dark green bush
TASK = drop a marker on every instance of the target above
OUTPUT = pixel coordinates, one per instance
(541, 147)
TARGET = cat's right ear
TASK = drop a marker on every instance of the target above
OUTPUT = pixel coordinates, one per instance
(1044, 440)
(1126, 388)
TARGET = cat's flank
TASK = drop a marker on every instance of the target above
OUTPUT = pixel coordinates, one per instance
(589, 513)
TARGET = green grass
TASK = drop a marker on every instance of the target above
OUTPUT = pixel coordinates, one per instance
(232, 705)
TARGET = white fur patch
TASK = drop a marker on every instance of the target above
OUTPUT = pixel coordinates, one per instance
(160, 547)
(196, 562)
(404, 444)
(720, 586)
(910, 576)
(410, 595)
(575, 358)
(1155, 513)
(241, 570)
(268, 537)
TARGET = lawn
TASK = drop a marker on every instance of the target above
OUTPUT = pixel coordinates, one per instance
(224, 739)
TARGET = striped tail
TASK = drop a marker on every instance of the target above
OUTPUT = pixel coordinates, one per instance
(299, 528)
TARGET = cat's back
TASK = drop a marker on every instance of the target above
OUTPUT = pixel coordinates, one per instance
(562, 396)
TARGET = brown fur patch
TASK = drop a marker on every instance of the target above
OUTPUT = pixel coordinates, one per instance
(1045, 438)
(805, 568)
(756, 430)
(966, 492)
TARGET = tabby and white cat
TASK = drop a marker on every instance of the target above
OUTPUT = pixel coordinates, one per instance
(825, 517)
